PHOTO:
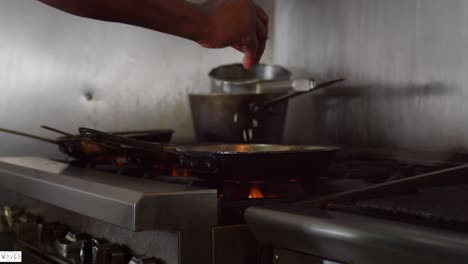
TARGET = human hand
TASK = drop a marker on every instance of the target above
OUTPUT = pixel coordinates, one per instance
(240, 24)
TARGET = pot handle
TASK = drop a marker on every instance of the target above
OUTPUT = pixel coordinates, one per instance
(255, 108)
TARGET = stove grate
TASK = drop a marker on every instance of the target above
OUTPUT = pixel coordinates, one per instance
(443, 207)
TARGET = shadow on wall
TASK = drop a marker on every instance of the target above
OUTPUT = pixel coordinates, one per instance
(364, 115)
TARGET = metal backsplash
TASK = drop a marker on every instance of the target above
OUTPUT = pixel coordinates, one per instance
(407, 67)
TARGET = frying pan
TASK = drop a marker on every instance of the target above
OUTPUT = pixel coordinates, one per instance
(239, 162)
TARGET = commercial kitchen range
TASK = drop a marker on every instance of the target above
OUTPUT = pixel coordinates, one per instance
(370, 206)
(405, 63)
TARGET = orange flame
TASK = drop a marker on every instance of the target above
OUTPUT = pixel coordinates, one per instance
(255, 192)
(178, 172)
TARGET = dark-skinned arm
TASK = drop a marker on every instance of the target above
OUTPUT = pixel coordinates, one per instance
(240, 24)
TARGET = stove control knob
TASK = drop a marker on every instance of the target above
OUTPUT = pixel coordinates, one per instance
(69, 247)
(11, 214)
(86, 251)
(25, 227)
(89, 250)
(144, 260)
(109, 254)
(275, 258)
(48, 233)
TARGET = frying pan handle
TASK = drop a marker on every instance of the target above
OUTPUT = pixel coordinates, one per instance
(18, 133)
(255, 108)
(124, 141)
(57, 131)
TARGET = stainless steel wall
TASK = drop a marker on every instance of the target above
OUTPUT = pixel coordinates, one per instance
(52, 63)
(407, 67)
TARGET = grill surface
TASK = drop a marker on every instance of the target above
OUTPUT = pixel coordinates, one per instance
(440, 207)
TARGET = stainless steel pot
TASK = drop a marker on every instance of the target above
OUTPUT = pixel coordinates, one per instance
(225, 118)
(234, 79)
(243, 118)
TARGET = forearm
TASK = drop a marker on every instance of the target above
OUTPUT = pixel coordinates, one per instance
(176, 17)
(240, 24)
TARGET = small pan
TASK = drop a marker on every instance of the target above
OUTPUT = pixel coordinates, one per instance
(240, 162)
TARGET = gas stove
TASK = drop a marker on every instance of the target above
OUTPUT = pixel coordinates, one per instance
(412, 219)
(151, 217)
(187, 218)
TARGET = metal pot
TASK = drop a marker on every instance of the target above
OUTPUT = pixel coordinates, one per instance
(243, 118)
(226, 118)
(234, 79)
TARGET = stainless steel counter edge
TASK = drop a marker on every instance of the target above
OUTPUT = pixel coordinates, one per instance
(350, 238)
(131, 203)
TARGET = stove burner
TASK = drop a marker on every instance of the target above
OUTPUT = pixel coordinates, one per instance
(255, 192)
(234, 197)
(345, 173)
